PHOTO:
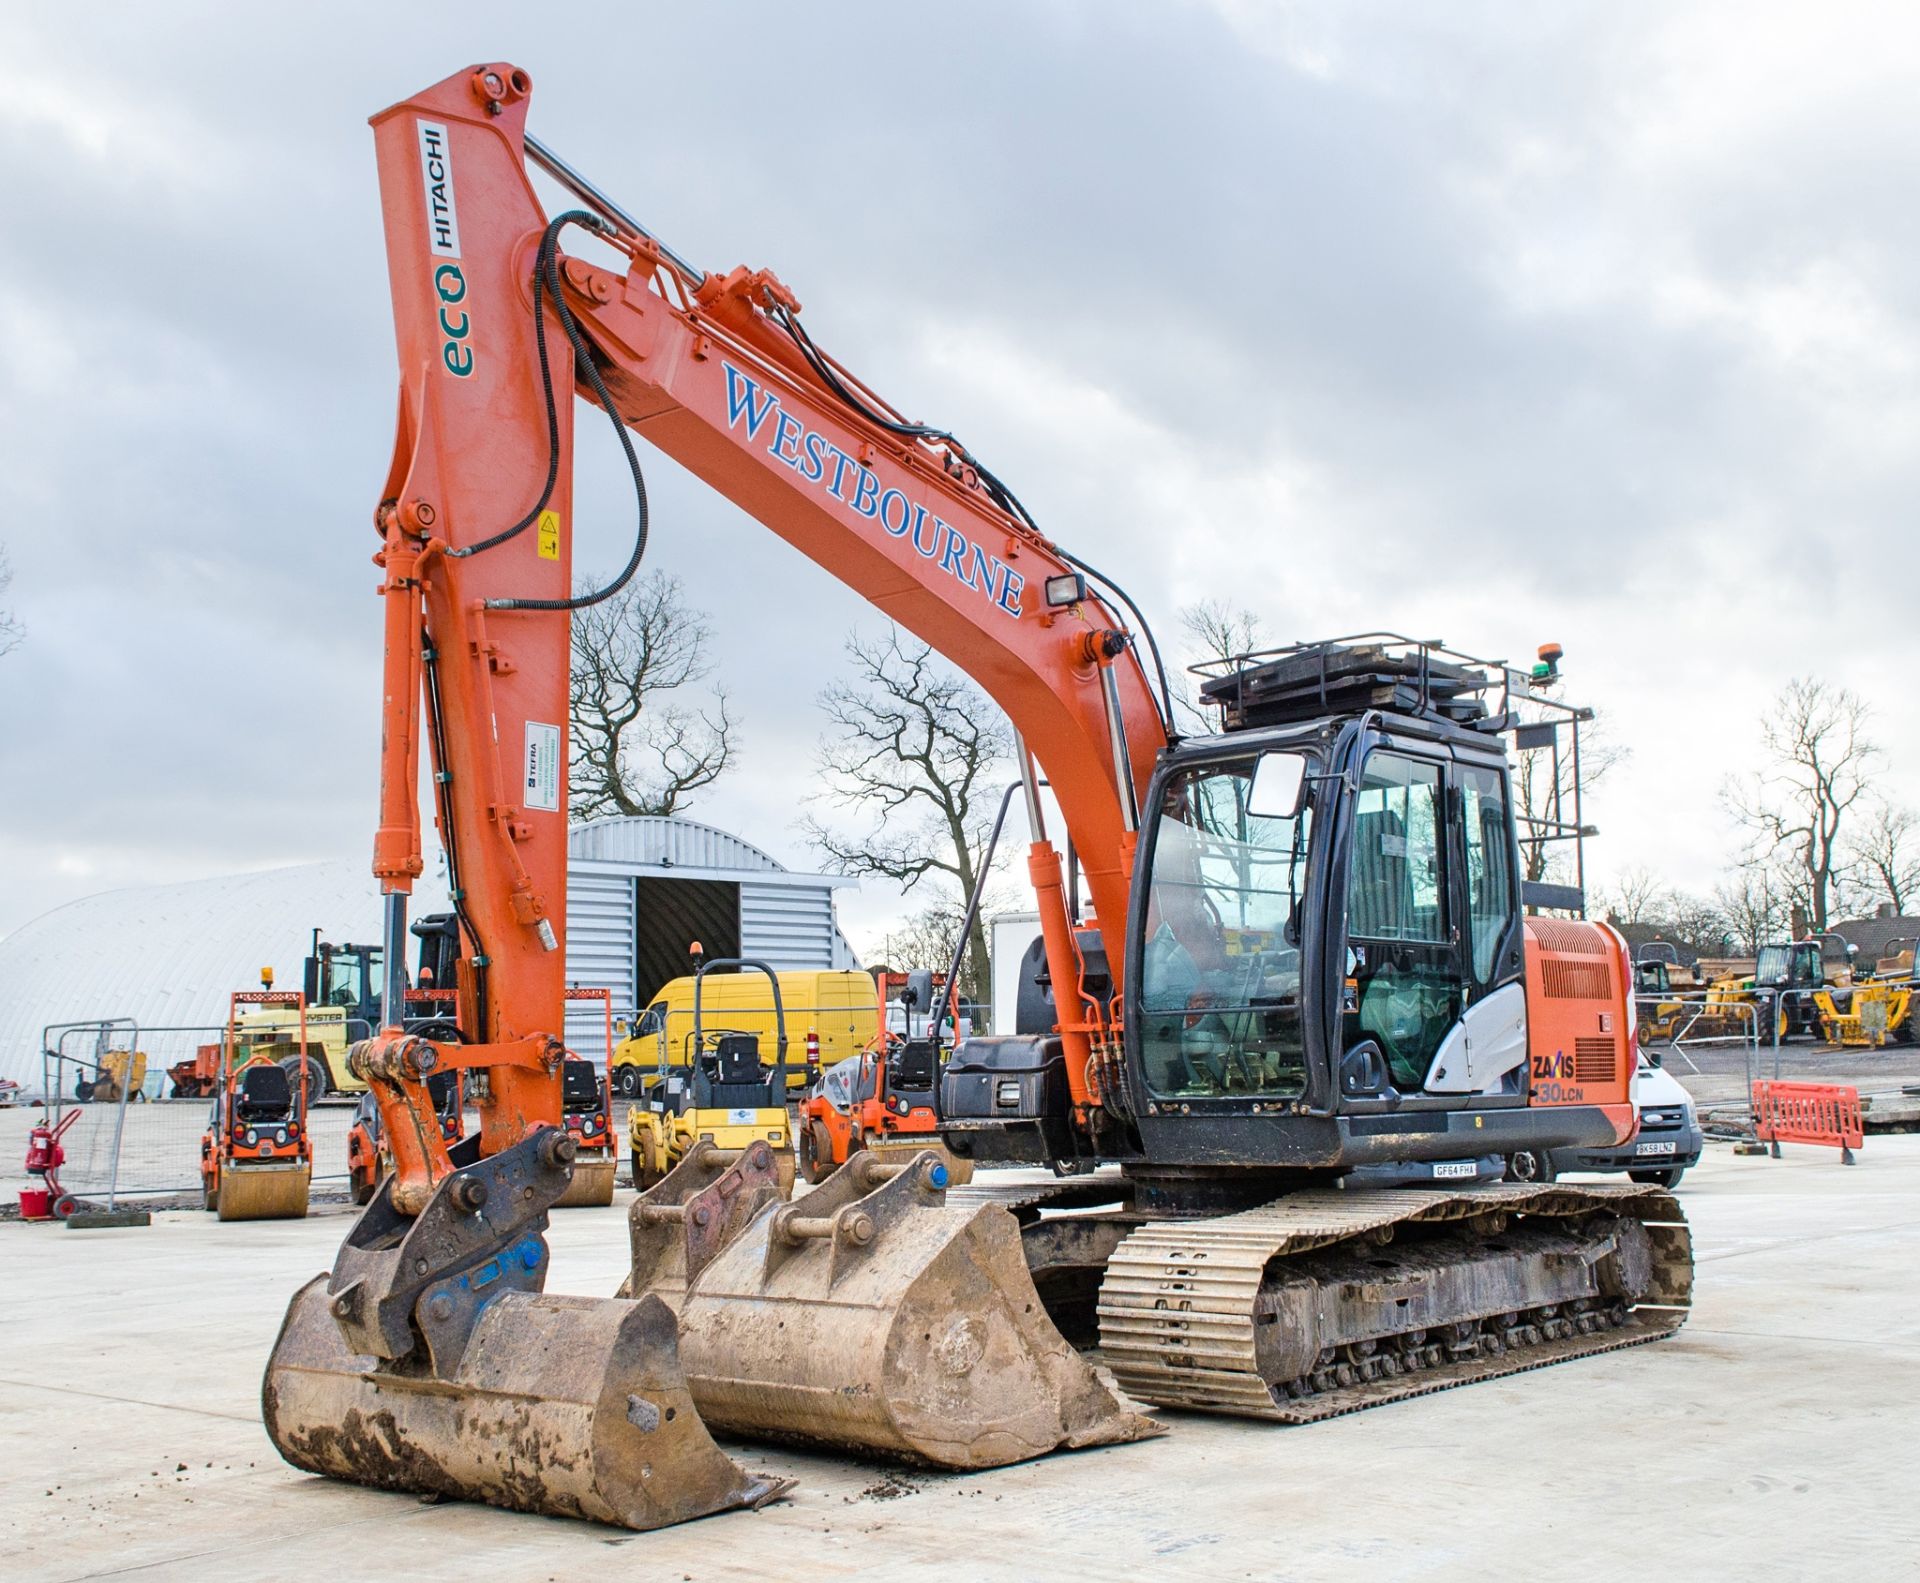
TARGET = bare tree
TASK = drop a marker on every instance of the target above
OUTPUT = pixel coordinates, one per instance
(914, 750)
(11, 632)
(928, 937)
(1886, 855)
(636, 748)
(1220, 629)
(1820, 763)
(1640, 898)
(1700, 926)
(1217, 629)
(1753, 905)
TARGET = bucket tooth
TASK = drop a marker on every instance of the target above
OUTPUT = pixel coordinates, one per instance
(264, 1192)
(431, 1361)
(870, 1317)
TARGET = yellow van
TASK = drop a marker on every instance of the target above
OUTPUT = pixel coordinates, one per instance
(837, 1007)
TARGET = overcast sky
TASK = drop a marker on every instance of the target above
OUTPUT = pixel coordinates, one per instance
(1594, 323)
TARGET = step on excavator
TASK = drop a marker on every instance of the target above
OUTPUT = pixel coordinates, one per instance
(1303, 950)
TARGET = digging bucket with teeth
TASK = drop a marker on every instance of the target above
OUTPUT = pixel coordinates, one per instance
(431, 1361)
(868, 1316)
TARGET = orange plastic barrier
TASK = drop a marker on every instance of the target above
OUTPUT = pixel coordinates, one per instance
(1823, 1113)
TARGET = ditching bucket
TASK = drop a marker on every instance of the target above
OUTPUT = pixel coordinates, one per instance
(870, 1317)
(431, 1361)
(264, 1192)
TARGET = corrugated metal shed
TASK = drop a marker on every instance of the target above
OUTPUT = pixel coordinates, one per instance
(786, 918)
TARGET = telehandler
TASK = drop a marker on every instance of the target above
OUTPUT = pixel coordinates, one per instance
(1310, 955)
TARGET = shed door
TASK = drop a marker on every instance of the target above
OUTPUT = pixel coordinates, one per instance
(669, 915)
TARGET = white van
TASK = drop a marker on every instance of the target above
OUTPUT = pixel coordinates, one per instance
(1669, 1139)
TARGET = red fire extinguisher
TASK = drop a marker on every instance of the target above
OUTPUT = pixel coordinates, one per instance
(45, 1156)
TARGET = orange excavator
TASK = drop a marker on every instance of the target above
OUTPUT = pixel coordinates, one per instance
(1305, 955)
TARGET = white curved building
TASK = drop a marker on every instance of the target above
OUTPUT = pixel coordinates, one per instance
(167, 956)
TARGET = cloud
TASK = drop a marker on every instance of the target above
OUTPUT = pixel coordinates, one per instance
(1594, 323)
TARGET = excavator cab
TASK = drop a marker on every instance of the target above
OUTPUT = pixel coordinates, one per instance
(1329, 964)
(1789, 979)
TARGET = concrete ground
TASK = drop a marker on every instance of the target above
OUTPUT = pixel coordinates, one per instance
(1772, 1436)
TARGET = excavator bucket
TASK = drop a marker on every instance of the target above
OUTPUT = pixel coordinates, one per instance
(430, 1361)
(871, 1317)
(264, 1192)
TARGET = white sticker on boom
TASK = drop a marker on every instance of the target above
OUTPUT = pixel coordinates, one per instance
(436, 177)
(541, 772)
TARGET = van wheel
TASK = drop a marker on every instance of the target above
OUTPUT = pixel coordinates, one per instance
(1666, 1178)
(626, 1081)
(1533, 1166)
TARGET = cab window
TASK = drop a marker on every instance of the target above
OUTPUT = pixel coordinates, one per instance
(1491, 902)
(344, 978)
(1219, 986)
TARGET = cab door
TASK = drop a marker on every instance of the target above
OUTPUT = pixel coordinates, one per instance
(1405, 982)
(1433, 1003)
(1488, 1046)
